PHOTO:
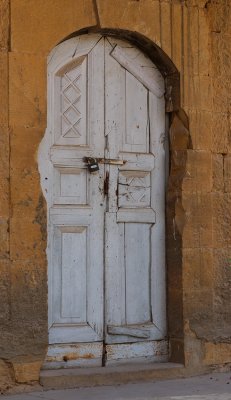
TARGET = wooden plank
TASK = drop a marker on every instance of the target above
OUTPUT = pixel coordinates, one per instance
(158, 283)
(114, 119)
(128, 331)
(141, 68)
(137, 352)
(95, 273)
(145, 215)
(75, 333)
(74, 355)
(137, 161)
(70, 156)
(150, 331)
(114, 103)
(136, 137)
(95, 95)
(114, 271)
(68, 216)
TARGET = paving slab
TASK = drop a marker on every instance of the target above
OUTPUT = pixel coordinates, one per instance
(216, 386)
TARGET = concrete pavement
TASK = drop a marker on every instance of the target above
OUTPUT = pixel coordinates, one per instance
(216, 386)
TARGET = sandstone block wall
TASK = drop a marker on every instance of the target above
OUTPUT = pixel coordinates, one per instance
(196, 36)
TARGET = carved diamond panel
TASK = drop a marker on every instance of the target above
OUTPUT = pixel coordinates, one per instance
(134, 189)
(73, 104)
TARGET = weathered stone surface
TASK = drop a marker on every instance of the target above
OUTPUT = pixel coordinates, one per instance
(221, 98)
(26, 241)
(4, 103)
(198, 276)
(6, 376)
(198, 172)
(200, 129)
(26, 369)
(221, 205)
(198, 305)
(28, 209)
(219, 16)
(27, 77)
(4, 25)
(221, 60)
(25, 179)
(221, 291)
(197, 228)
(193, 348)
(193, 39)
(4, 291)
(165, 28)
(227, 173)
(4, 172)
(204, 58)
(4, 235)
(177, 39)
(200, 93)
(179, 133)
(28, 283)
(55, 19)
(217, 353)
(143, 17)
(198, 270)
(218, 172)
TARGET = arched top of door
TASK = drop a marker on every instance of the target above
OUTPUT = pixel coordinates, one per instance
(163, 63)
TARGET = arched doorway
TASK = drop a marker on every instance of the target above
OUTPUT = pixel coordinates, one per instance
(106, 228)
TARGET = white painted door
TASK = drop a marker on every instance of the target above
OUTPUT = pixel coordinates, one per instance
(106, 239)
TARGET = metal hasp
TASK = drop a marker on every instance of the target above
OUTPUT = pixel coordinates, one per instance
(111, 161)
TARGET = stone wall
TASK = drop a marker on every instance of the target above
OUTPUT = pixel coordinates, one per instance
(195, 35)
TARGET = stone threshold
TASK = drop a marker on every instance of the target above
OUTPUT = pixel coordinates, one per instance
(111, 375)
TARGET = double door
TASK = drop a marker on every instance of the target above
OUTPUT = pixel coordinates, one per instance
(106, 239)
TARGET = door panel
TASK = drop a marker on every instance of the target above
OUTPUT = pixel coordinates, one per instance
(148, 351)
(73, 242)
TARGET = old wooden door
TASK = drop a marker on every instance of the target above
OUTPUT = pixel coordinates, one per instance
(106, 240)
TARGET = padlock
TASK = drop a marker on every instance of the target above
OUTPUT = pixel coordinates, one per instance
(92, 164)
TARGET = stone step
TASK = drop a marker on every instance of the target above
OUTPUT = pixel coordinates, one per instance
(112, 375)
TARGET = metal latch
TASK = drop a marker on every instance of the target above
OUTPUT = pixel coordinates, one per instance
(112, 161)
(92, 162)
